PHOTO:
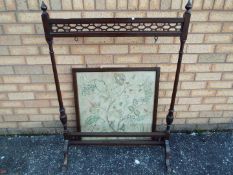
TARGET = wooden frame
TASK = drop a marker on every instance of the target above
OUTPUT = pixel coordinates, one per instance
(155, 98)
(117, 27)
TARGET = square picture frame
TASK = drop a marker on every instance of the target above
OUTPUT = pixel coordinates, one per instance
(116, 99)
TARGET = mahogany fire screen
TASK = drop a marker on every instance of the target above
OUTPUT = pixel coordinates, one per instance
(116, 27)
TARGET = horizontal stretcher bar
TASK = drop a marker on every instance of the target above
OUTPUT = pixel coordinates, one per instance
(117, 134)
(115, 142)
(114, 20)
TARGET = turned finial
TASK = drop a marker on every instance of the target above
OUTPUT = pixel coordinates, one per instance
(188, 5)
(43, 6)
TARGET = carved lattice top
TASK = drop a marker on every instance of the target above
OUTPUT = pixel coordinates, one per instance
(116, 27)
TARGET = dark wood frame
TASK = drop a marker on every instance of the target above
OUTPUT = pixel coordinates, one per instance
(117, 27)
(133, 69)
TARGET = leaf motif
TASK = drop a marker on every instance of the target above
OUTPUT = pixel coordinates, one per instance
(87, 89)
(112, 124)
(119, 78)
(100, 85)
(137, 112)
(122, 128)
(131, 108)
(91, 119)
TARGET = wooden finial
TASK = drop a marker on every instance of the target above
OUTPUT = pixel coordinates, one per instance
(43, 6)
(188, 5)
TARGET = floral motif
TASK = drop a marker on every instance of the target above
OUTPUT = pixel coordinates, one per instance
(116, 101)
(119, 78)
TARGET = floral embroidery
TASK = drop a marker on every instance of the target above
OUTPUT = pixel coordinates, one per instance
(116, 101)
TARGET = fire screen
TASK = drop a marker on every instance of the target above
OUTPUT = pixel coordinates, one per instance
(120, 114)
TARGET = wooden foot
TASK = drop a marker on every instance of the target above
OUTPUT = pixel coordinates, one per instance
(65, 163)
(167, 156)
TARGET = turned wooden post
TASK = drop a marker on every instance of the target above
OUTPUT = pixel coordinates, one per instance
(49, 39)
(183, 37)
